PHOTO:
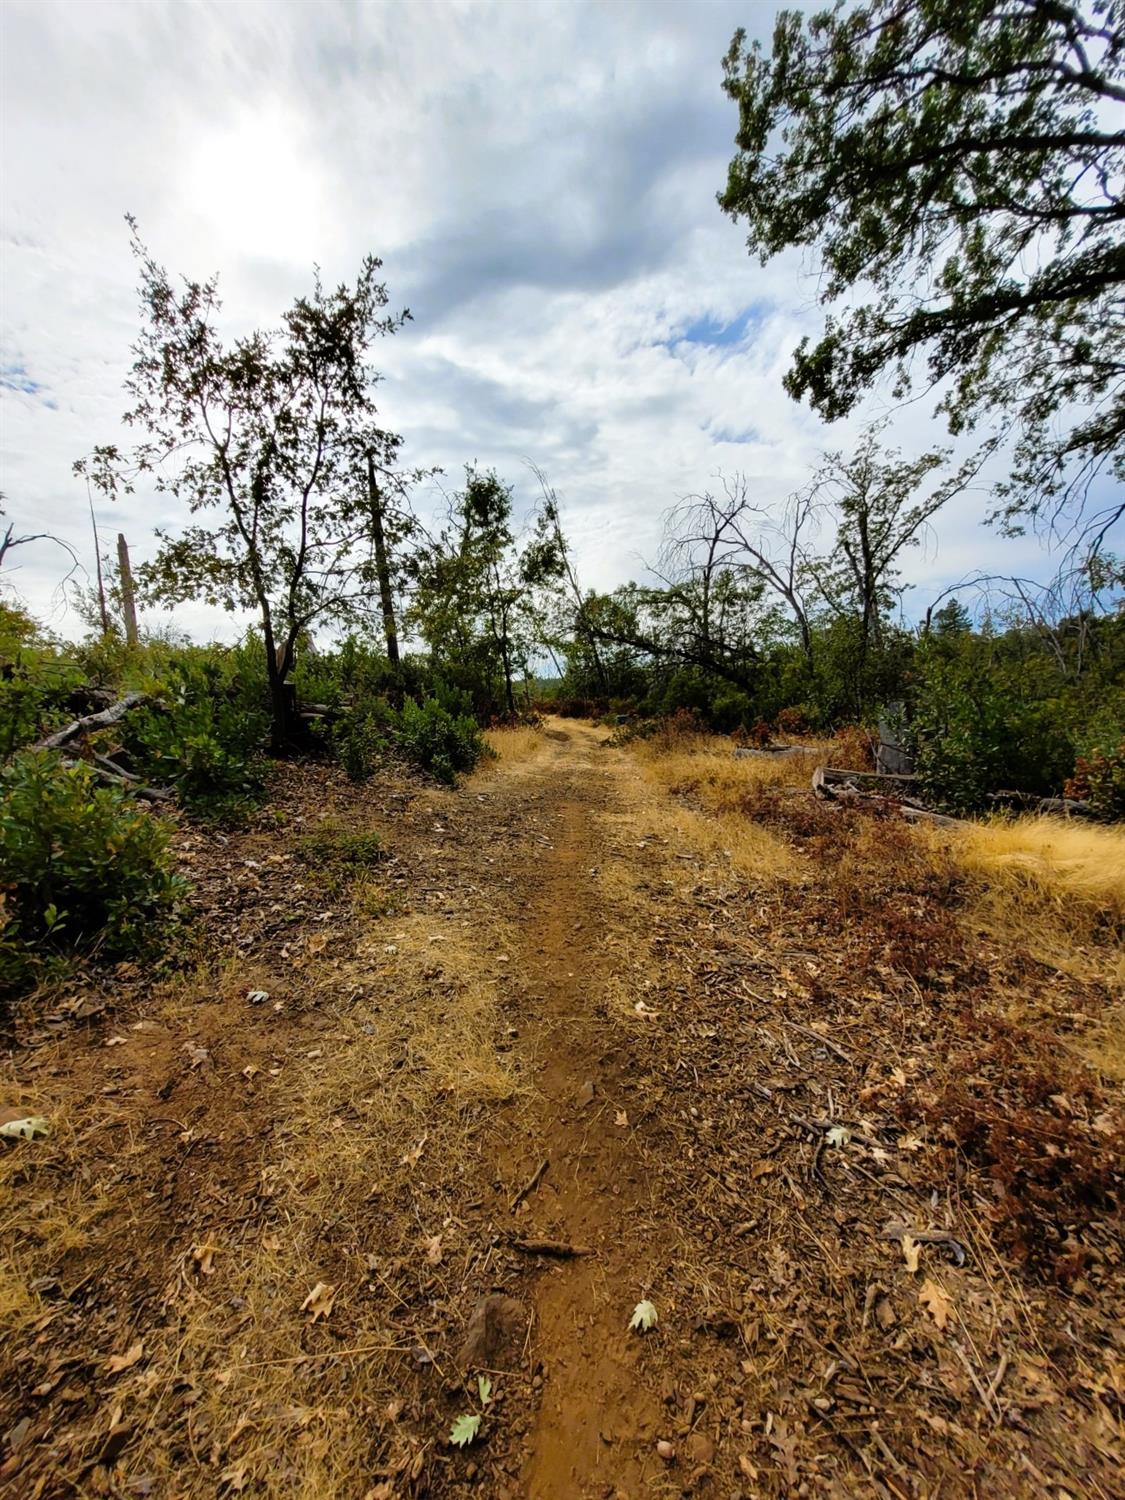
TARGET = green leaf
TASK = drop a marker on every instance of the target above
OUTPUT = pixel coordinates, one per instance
(464, 1430)
(484, 1389)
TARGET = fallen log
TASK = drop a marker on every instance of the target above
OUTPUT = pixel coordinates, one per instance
(104, 770)
(111, 715)
(837, 785)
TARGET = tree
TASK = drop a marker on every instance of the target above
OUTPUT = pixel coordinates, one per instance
(271, 442)
(474, 596)
(959, 166)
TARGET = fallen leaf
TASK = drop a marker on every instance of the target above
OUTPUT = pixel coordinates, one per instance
(319, 1301)
(464, 1430)
(117, 1041)
(433, 1250)
(414, 1155)
(25, 1128)
(644, 1317)
(838, 1136)
(761, 1168)
(585, 1094)
(257, 997)
(643, 1010)
(235, 1479)
(937, 1302)
(621, 1119)
(484, 1389)
(911, 1250)
(118, 1362)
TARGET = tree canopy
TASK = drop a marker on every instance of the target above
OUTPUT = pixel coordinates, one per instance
(959, 166)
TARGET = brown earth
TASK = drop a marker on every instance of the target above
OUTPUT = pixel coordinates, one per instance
(247, 1257)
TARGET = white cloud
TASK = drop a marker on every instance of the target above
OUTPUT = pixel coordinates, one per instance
(540, 181)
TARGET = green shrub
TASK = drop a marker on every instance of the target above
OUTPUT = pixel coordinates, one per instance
(360, 738)
(82, 867)
(205, 739)
(439, 741)
(1099, 778)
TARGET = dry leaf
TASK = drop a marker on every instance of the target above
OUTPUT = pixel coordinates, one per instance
(413, 1156)
(118, 1362)
(433, 1250)
(319, 1301)
(761, 1168)
(937, 1302)
(911, 1250)
(621, 1118)
(204, 1255)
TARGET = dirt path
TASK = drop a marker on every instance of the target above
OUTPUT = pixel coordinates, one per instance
(596, 1422)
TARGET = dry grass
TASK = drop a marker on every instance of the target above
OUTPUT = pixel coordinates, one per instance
(512, 746)
(693, 794)
(1053, 886)
(359, 1146)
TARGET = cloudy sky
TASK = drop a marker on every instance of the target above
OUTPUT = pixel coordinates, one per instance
(539, 179)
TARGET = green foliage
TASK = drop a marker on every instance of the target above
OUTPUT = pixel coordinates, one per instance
(342, 850)
(205, 738)
(82, 867)
(361, 738)
(37, 678)
(958, 168)
(438, 740)
(1099, 778)
(978, 726)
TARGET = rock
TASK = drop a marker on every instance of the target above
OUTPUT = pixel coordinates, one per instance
(585, 1094)
(495, 1333)
(666, 1451)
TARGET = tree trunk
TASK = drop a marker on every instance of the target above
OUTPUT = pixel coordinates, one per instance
(383, 572)
(128, 596)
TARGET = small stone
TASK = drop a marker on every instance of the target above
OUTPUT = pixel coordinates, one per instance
(666, 1451)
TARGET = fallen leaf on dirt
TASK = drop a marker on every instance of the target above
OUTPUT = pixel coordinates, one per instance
(937, 1302)
(414, 1155)
(250, 1072)
(197, 1054)
(911, 1250)
(747, 1468)
(644, 1010)
(25, 1128)
(484, 1389)
(433, 1250)
(118, 1362)
(117, 1041)
(464, 1430)
(204, 1256)
(235, 1479)
(257, 997)
(621, 1119)
(319, 1301)
(644, 1317)
(761, 1168)
(838, 1136)
(383, 1491)
(585, 1094)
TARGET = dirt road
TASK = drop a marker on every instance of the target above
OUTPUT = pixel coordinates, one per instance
(279, 1189)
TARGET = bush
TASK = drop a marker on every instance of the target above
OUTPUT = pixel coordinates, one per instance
(81, 867)
(360, 739)
(1099, 778)
(438, 740)
(205, 739)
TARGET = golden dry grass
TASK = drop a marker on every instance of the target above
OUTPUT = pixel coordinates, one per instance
(1052, 885)
(692, 794)
(514, 745)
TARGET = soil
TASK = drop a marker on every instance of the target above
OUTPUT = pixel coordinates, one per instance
(551, 1055)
